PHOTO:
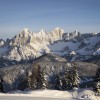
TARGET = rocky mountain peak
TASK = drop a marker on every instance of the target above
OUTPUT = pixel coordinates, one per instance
(25, 30)
(59, 30)
(42, 31)
(29, 45)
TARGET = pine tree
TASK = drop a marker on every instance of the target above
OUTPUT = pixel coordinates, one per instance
(75, 77)
(96, 83)
(32, 78)
(58, 82)
(64, 85)
(30, 83)
(1, 85)
(41, 79)
(36, 78)
(68, 79)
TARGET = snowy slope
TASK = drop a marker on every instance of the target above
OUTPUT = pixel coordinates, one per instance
(3, 50)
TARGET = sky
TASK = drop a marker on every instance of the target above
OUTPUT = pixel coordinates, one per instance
(15, 15)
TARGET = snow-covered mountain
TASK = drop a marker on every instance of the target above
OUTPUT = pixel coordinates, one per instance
(29, 45)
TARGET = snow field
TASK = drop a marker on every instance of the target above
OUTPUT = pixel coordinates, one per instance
(68, 95)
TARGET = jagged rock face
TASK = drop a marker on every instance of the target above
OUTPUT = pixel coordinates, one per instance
(2, 42)
(72, 35)
(27, 36)
(29, 45)
(22, 39)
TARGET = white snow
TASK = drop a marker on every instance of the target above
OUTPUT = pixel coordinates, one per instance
(68, 95)
(62, 47)
(57, 46)
(1, 43)
(40, 93)
(30, 98)
(69, 65)
(73, 53)
(86, 41)
(14, 54)
(25, 31)
(72, 46)
(97, 51)
(87, 95)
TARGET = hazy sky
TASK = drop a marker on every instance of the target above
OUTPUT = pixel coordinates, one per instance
(83, 15)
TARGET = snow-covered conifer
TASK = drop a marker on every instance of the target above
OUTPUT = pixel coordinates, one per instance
(41, 79)
(68, 79)
(75, 77)
(58, 82)
(1, 85)
(96, 83)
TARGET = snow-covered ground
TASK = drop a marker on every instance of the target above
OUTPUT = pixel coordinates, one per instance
(37, 95)
(29, 98)
(49, 94)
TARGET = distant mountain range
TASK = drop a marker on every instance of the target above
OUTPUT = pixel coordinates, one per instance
(28, 45)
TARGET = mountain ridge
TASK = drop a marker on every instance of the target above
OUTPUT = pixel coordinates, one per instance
(29, 45)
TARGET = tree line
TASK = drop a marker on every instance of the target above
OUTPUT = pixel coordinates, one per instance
(37, 79)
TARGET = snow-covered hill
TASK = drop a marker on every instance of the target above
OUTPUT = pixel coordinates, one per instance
(15, 76)
(29, 45)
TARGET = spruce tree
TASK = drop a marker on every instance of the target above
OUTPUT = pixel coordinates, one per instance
(68, 79)
(41, 79)
(75, 77)
(58, 82)
(96, 83)
(66, 82)
(32, 78)
(36, 78)
(30, 84)
(64, 86)
(1, 85)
